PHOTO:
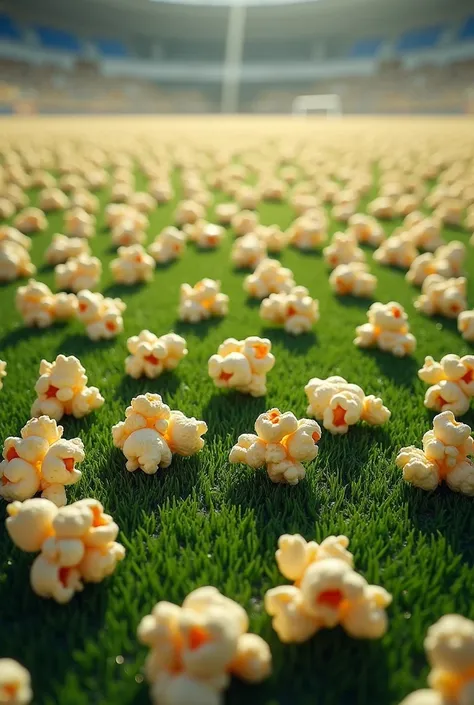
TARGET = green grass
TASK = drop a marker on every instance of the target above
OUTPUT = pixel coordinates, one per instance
(204, 521)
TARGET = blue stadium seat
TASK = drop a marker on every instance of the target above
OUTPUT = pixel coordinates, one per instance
(58, 39)
(366, 48)
(112, 48)
(417, 39)
(467, 30)
(8, 28)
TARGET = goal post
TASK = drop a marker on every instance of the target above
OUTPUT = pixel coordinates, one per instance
(329, 103)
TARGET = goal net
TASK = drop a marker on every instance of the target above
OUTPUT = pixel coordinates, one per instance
(329, 104)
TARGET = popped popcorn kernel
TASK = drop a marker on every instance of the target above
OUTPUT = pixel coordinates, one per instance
(41, 460)
(169, 245)
(3, 372)
(189, 212)
(397, 251)
(426, 233)
(382, 208)
(15, 683)
(62, 389)
(243, 222)
(30, 220)
(452, 383)
(309, 231)
(447, 261)
(62, 248)
(102, 316)
(268, 278)
(129, 230)
(296, 310)
(466, 325)
(202, 301)
(272, 237)
(353, 279)
(82, 272)
(152, 433)
(76, 544)
(444, 457)
(10, 234)
(342, 250)
(206, 236)
(225, 212)
(387, 329)
(38, 306)
(442, 297)
(242, 365)
(79, 223)
(151, 355)
(339, 404)
(248, 251)
(326, 592)
(53, 199)
(133, 265)
(196, 647)
(15, 260)
(366, 229)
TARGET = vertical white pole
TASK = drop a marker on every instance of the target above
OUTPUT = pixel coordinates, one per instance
(233, 58)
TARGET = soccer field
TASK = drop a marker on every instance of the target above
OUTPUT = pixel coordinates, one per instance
(204, 521)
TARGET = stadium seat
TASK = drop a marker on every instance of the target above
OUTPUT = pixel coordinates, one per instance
(111, 48)
(8, 28)
(467, 30)
(366, 48)
(417, 39)
(57, 39)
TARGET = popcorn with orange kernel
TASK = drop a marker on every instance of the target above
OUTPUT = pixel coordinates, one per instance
(242, 365)
(272, 236)
(53, 199)
(407, 203)
(40, 461)
(207, 236)
(308, 231)
(38, 306)
(447, 261)
(132, 265)
(450, 211)
(339, 404)
(202, 301)
(444, 457)
(161, 190)
(442, 297)
(268, 278)
(367, 229)
(152, 433)
(8, 234)
(189, 212)
(76, 544)
(15, 683)
(86, 200)
(62, 389)
(466, 325)
(282, 444)
(382, 208)
(79, 223)
(30, 220)
(142, 201)
(342, 250)
(151, 355)
(426, 234)
(296, 310)
(127, 231)
(225, 212)
(77, 273)
(3, 372)
(397, 251)
(196, 648)
(247, 197)
(169, 245)
(353, 279)
(15, 260)
(326, 592)
(7, 208)
(62, 248)
(243, 222)
(386, 329)
(452, 383)
(102, 316)
(248, 251)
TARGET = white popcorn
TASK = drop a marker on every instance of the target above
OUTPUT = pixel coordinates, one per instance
(101, 315)
(342, 250)
(63, 248)
(447, 261)
(132, 265)
(309, 231)
(397, 251)
(387, 329)
(77, 273)
(189, 212)
(53, 199)
(79, 223)
(268, 278)
(30, 220)
(442, 297)
(169, 245)
(426, 234)
(248, 251)
(38, 306)
(272, 237)
(151, 355)
(202, 301)
(452, 383)
(366, 229)
(353, 279)
(15, 261)
(206, 235)
(244, 222)
(466, 325)
(296, 310)
(3, 372)
(225, 212)
(15, 683)
(382, 208)
(242, 365)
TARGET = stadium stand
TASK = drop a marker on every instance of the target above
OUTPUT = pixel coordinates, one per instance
(366, 48)
(9, 29)
(111, 48)
(52, 38)
(418, 39)
(466, 32)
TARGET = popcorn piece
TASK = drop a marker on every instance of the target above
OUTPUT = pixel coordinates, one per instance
(15, 683)
(244, 222)
(387, 329)
(62, 389)
(447, 261)
(132, 265)
(353, 279)
(339, 404)
(79, 223)
(449, 647)
(169, 245)
(151, 433)
(426, 234)
(326, 592)
(242, 365)
(41, 460)
(82, 272)
(281, 445)
(309, 231)
(444, 457)
(195, 648)
(31, 220)
(206, 235)
(150, 355)
(63, 248)
(142, 201)
(82, 198)
(397, 251)
(101, 315)
(466, 325)
(129, 231)
(452, 381)
(248, 251)
(225, 212)
(273, 238)
(38, 306)
(342, 250)
(189, 212)
(442, 297)
(53, 199)
(161, 191)
(450, 211)
(3, 372)
(382, 208)
(297, 311)
(76, 544)
(247, 198)
(268, 278)
(7, 208)
(15, 261)
(202, 301)
(9, 234)
(366, 229)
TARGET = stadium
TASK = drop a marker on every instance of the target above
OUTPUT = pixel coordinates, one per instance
(236, 352)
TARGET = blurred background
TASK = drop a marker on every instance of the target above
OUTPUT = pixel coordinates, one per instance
(165, 56)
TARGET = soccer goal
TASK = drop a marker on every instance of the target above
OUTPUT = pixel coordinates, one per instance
(329, 104)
